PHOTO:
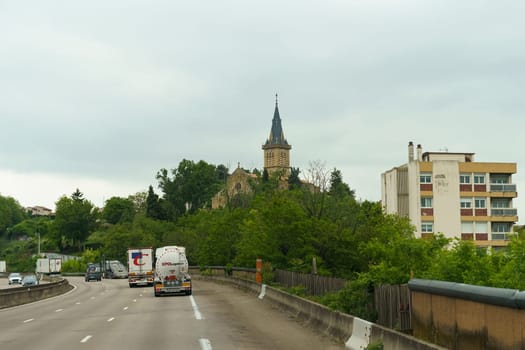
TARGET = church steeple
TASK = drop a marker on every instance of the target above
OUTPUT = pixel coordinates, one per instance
(276, 148)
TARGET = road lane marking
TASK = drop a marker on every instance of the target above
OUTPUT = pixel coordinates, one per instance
(111, 319)
(134, 300)
(29, 320)
(59, 310)
(92, 298)
(86, 338)
(125, 308)
(205, 344)
(196, 311)
(78, 303)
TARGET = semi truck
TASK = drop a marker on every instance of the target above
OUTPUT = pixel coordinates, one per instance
(171, 271)
(140, 267)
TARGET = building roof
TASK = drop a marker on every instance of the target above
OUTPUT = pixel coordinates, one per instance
(276, 134)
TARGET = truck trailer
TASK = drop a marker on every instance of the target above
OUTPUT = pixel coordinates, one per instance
(140, 267)
(171, 271)
(48, 266)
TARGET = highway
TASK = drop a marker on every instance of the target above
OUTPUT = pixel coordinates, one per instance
(110, 315)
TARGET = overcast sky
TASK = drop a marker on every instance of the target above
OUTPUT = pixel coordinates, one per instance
(100, 95)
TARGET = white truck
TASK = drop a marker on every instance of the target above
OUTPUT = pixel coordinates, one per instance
(48, 266)
(171, 271)
(140, 267)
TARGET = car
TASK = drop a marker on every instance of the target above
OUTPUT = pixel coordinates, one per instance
(29, 280)
(14, 278)
(93, 273)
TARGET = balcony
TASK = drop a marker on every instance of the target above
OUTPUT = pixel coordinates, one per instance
(502, 188)
(502, 235)
(504, 212)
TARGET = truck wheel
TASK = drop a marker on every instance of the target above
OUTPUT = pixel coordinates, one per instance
(130, 285)
(188, 292)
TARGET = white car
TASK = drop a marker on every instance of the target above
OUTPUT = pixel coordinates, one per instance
(14, 278)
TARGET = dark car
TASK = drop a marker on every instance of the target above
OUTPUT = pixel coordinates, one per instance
(93, 273)
(29, 280)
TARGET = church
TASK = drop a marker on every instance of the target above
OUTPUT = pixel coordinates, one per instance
(276, 151)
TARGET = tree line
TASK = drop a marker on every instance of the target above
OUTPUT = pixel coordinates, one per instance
(286, 221)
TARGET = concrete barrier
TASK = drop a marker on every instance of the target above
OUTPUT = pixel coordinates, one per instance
(23, 295)
(349, 330)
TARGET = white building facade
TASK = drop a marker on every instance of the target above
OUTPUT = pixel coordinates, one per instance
(450, 193)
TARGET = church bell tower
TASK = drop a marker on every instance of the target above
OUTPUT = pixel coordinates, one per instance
(276, 148)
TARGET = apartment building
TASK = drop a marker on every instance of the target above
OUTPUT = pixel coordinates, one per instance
(450, 193)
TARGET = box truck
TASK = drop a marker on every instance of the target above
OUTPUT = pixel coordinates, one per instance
(48, 266)
(140, 267)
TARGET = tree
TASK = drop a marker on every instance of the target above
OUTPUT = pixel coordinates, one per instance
(154, 206)
(337, 186)
(75, 219)
(191, 187)
(11, 213)
(118, 210)
(293, 180)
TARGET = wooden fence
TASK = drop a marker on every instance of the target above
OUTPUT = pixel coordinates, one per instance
(314, 284)
(393, 304)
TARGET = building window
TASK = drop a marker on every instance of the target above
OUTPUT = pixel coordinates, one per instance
(467, 227)
(426, 202)
(502, 227)
(466, 203)
(500, 203)
(482, 227)
(425, 178)
(464, 178)
(480, 203)
(427, 227)
(479, 179)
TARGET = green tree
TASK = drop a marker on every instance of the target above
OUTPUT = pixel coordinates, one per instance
(293, 180)
(337, 186)
(11, 213)
(118, 210)
(191, 187)
(75, 219)
(154, 206)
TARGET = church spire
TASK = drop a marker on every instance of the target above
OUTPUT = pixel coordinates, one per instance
(276, 148)
(276, 133)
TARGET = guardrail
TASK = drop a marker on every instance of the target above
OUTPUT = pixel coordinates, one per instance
(23, 295)
(354, 332)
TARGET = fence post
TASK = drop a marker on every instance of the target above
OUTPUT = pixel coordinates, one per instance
(258, 271)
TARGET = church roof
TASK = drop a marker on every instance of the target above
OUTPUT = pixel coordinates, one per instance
(276, 134)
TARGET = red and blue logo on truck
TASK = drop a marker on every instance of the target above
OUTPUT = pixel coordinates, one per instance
(137, 258)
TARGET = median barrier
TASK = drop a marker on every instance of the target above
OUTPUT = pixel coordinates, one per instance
(352, 331)
(23, 295)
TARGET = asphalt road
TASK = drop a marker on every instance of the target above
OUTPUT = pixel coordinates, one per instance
(110, 315)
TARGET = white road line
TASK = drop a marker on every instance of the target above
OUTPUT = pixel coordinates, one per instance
(125, 308)
(134, 300)
(92, 298)
(205, 344)
(85, 339)
(59, 310)
(78, 303)
(111, 319)
(196, 311)
(29, 320)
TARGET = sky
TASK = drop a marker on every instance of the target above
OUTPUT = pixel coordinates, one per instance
(101, 95)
